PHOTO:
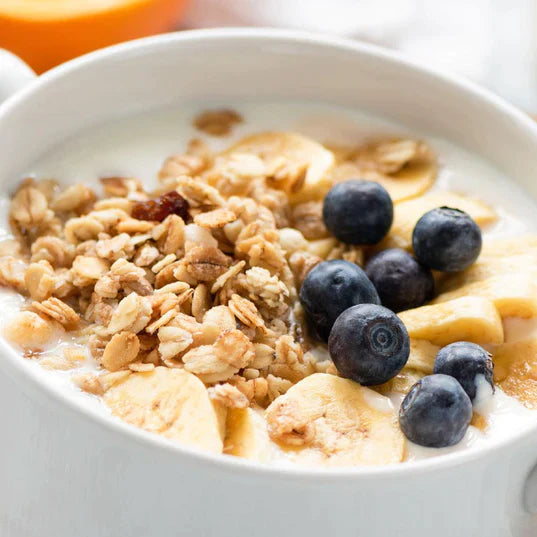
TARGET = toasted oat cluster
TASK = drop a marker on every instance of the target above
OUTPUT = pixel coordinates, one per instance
(187, 296)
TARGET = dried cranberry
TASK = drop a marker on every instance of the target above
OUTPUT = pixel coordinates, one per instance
(158, 209)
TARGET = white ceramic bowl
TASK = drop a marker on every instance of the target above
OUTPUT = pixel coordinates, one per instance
(66, 470)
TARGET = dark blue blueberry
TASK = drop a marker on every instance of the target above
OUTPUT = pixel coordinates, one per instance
(401, 282)
(369, 344)
(358, 212)
(465, 361)
(436, 412)
(332, 287)
(446, 239)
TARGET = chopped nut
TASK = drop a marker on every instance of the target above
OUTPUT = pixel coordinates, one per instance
(206, 263)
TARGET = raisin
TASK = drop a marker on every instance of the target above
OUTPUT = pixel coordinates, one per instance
(158, 209)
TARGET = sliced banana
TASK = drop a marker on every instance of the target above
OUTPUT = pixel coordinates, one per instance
(469, 318)
(169, 402)
(247, 435)
(407, 213)
(490, 266)
(515, 370)
(401, 383)
(330, 421)
(405, 168)
(514, 295)
(422, 355)
(511, 246)
(296, 164)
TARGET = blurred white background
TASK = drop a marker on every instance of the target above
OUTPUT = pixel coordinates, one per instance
(493, 42)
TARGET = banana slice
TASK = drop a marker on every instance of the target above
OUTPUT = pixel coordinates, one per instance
(422, 355)
(401, 383)
(487, 267)
(407, 213)
(330, 421)
(405, 168)
(247, 435)
(169, 402)
(515, 370)
(514, 295)
(297, 165)
(469, 318)
(511, 246)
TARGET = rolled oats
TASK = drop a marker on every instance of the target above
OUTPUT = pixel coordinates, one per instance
(120, 351)
(39, 280)
(59, 311)
(132, 314)
(215, 219)
(246, 311)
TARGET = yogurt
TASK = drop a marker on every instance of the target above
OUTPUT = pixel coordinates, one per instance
(137, 147)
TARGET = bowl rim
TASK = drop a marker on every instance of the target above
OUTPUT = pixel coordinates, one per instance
(26, 372)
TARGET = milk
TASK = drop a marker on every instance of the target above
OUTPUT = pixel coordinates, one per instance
(137, 147)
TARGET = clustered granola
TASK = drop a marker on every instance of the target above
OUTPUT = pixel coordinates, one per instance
(202, 273)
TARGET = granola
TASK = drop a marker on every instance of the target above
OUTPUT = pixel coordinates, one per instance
(186, 296)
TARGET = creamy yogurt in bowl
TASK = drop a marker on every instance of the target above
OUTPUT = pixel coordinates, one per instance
(137, 147)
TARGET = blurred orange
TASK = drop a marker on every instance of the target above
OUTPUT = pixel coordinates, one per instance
(45, 33)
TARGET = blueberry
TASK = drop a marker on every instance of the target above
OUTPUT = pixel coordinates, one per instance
(358, 212)
(401, 282)
(465, 361)
(369, 344)
(436, 412)
(332, 287)
(446, 239)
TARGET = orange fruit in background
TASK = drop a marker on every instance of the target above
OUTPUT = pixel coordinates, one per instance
(45, 33)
